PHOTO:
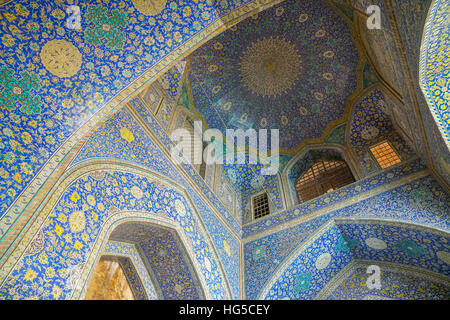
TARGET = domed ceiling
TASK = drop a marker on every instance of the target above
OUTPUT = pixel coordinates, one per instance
(291, 67)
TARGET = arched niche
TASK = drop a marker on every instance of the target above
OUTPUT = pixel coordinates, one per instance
(164, 256)
(59, 226)
(434, 65)
(305, 159)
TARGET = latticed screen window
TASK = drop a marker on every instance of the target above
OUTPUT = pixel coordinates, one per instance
(323, 177)
(385, 154)
(261, 205)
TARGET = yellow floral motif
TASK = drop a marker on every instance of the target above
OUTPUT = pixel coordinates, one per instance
(9, 16)
(67, 103)
(78, 245)
(26, 138)
(58, 14)
(50, 272)
(30, 275)
(94, 216)
(75, 197)
(127, 135)
(56, 291)
(4, 174)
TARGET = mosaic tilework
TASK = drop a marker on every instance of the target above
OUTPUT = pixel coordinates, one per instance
(247, 180)
(225, 192)
(395, 285)
(167, 142)
(141, 276)
(308, 271)
(397, 244)
(72, 227)
(303, 163)
(36, 126)
(270, 185)
(162, 249)
(132, 278)
(152, 98)
(226, 245)
(325, 48)
(370, 125)
(63, 76)
(440, 153)
(172, 80)
(334, 197)
(114, 141)
(434, 83)
(435, 74)
(311, 269)
(411, 17)
(422, 201)
(384, 52)
(381, 46)
(161, 96)
(337, 135)
(369, 77)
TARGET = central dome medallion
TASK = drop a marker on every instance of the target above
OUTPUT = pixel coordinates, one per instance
(270, 66)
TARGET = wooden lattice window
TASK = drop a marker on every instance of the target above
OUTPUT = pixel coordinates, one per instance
(385, 154)
(261, 205)
(323, 177)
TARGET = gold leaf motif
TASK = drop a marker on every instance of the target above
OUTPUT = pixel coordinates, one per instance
(61, 58)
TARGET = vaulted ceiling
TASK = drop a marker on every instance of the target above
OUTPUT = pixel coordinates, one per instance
(292, 67)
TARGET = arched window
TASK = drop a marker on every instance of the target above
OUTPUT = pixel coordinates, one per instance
(322, 177)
